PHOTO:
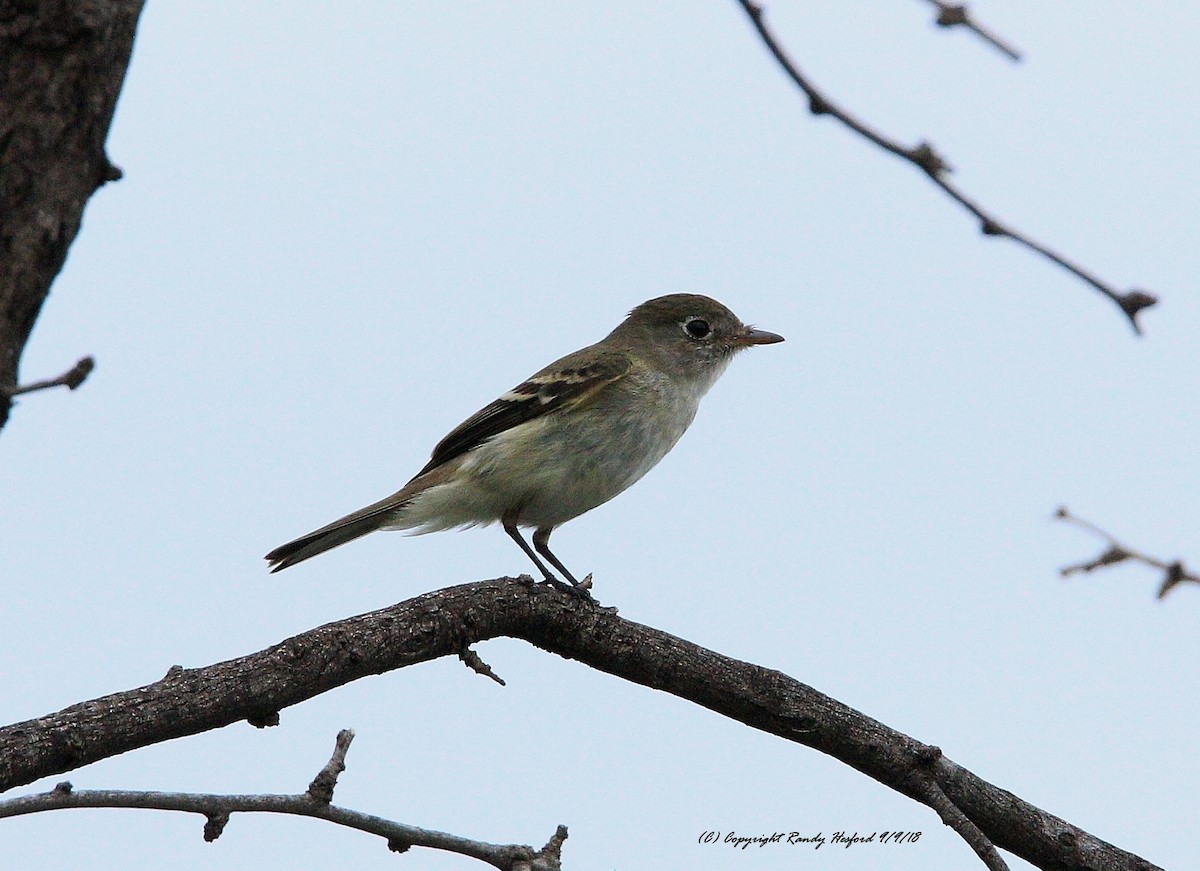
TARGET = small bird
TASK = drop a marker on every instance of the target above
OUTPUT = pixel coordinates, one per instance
(570, 438)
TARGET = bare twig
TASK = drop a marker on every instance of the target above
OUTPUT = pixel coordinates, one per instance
(956, 15)
(322, 786)
(70, 379)
(925, 157)
(549, 858)
(1174, 573)
(926, 787)
(472, 660)
(216, 809)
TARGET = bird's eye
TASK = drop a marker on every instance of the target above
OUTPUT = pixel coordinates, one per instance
(697, 328)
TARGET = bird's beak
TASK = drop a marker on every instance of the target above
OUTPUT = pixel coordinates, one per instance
(750, 336)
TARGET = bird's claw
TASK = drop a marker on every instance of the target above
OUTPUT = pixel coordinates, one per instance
(580, 590)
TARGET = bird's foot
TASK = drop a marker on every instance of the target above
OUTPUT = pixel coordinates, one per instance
(580, 590)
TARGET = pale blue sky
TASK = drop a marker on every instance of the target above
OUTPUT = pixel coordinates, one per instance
(343, 228)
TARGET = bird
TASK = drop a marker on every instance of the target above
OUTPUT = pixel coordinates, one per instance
(567, 439)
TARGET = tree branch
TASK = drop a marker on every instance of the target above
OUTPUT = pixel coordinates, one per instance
(316, 802)
(1174, 573)
(925, 158)
(70, 379)
(61, 69)
(932, 795)
(322, 786)
(956, 15)
(217, 808)
(256, 687)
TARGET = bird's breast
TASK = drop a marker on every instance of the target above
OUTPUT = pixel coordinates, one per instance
(554, 468)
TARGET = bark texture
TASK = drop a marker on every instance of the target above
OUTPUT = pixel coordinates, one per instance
(62, 64)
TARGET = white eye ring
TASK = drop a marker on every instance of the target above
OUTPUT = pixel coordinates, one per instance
(697, 328)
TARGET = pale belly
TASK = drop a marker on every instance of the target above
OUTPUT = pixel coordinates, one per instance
(553, 469)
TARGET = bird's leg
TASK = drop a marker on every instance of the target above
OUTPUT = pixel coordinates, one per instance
(541, 540)
(515, 535)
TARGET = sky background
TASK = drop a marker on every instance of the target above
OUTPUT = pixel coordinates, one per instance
(342, 229)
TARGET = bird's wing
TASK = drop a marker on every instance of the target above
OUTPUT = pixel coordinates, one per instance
(570, 381)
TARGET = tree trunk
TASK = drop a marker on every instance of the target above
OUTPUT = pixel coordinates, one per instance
(62, 64)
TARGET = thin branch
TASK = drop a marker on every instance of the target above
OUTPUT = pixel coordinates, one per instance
(472, 660)
(322, 786)
(549, 858)
(441, 623)
(956, 15)
(1174, 573)
(70, 379)
(925, 157)
(217, 808)
(932, 795)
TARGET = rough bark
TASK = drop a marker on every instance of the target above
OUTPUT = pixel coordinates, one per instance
(443, 623)
(62, 64)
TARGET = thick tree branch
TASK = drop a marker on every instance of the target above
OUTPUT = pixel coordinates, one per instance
(258, 686)
(62, 63)
(1174, 573)
(925, 158)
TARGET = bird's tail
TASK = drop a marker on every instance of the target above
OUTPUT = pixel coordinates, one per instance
(391, 513)
(337, 533)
